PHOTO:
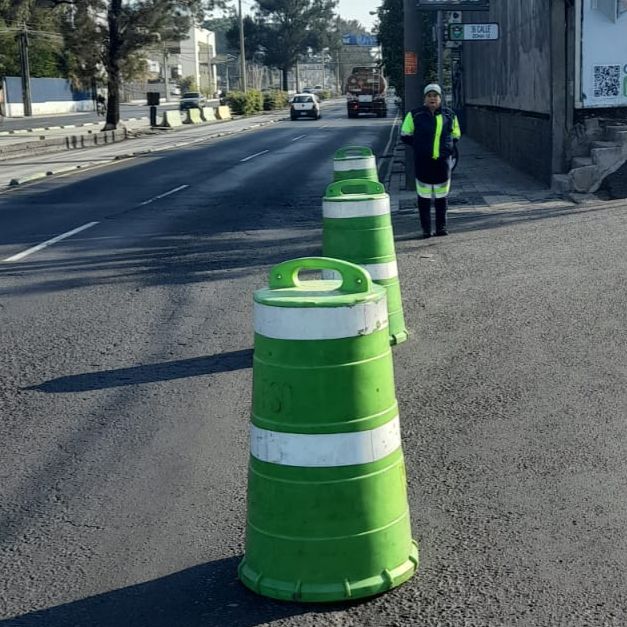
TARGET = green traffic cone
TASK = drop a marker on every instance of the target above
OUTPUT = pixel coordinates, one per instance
(357, 227)
(328, 518)
(354, 162)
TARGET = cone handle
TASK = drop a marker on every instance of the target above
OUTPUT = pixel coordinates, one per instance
(354, 186)
(355, 280)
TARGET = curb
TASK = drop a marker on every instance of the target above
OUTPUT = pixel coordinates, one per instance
(40, 129)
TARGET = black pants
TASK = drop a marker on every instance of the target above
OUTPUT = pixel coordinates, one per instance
(432, 172)
(424, 208)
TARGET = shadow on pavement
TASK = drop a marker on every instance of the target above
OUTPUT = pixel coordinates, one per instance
(201, 596)
(149, 373)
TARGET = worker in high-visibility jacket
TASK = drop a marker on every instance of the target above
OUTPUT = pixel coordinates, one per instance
(432, 130)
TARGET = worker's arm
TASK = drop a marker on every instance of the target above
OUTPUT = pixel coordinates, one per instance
(407, 130)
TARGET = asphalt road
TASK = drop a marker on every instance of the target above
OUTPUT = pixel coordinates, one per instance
(126, 111)
(125, 394)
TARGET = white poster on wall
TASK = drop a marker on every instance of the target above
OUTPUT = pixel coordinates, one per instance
(604, 54)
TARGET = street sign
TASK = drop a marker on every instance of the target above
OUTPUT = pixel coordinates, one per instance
(454, 5)
(473, 32)
(360, 40)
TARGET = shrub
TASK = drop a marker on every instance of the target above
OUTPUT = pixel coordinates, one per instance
(275, 100)
(247, 103)
(325, 94)
(188, 83)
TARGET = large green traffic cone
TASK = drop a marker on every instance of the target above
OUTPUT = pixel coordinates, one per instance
(357, 227)
(328, 518)
(354, 162)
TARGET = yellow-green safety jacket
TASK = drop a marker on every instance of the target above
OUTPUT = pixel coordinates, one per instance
(432, 135)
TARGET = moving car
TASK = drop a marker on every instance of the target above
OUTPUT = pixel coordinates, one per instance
(192, 100)
(304, 105)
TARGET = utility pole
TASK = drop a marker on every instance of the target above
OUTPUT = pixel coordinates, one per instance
(413, 74)
(297, 77)
(26, 93)
(242, 50)
(440, 28)
(165, 73)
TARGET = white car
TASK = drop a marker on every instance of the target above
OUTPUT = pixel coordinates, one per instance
(304, 105)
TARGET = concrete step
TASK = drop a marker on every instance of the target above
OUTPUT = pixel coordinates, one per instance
(592, 125)
(606, 157)
(580, 162)
(603, 144)
(585, 178)
(616, 133)
(561, 183)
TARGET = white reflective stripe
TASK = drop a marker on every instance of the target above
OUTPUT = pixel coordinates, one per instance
(424, 190)
(356, 208)
(377, 271)
(442, 191)
(380, 271)
(325, 450)
(358, 163)
(320, 323)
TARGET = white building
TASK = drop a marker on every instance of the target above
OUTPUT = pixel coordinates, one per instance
(194, 56)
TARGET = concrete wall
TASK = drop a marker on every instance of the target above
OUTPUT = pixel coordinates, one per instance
(508, 85)
(515, 71)
(523, 140)
(48, 95)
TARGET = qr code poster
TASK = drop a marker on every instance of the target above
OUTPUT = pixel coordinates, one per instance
(602, 76)
(606, 81)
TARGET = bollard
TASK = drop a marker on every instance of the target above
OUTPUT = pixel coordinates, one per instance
(328, 518)
(357, 227)
(354, 162)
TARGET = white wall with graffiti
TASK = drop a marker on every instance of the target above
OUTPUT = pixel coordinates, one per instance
(603, 59)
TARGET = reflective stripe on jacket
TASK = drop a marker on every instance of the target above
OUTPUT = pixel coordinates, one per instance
(431, 135)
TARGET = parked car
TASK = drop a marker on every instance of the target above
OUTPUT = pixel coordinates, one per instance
(304, 105)
(175, 90)
(192, 100)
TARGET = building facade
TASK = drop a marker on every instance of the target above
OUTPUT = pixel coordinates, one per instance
(556, 65)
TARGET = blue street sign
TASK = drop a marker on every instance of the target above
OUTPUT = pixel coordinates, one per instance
(360, 40)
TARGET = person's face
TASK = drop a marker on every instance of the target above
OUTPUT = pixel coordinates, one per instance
(433, 100)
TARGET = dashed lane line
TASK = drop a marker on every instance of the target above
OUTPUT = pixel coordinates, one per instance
(49, 242)
(172, 191)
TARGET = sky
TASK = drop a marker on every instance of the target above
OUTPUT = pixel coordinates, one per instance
(358, 10)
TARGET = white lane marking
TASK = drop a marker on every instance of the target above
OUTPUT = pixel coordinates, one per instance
(172, 191)
(49, 242)
(297, 138)
(263, 152)
(387, 146)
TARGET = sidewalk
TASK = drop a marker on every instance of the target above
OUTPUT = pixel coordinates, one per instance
(483, 187)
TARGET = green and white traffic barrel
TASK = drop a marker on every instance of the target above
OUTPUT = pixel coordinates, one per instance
(354, 162)
(357, 227)
(328, 518)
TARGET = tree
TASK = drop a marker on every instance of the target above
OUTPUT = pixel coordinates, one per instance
(390, 33)
(290, 28)
(109, 34)
(43, 29)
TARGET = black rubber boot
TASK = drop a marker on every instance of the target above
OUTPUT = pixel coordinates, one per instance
(424, 209)
(441, 205)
